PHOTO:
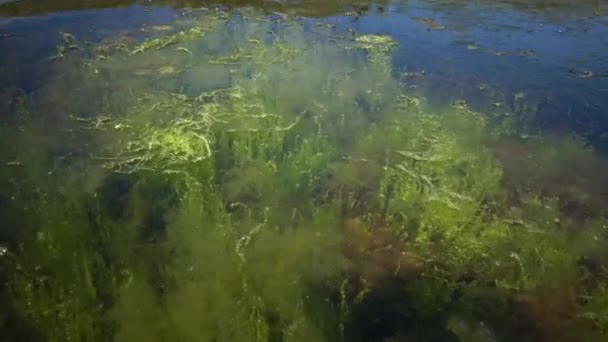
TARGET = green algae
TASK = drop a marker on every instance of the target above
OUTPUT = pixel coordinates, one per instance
(375, 43)
(295, 193)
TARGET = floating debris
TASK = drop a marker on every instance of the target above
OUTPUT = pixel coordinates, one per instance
(68, 39)
(67, 43)
(483, 87)
(526, 53)
(167, 70)
(500, 52)
(430, 23)
(325, 25)
(582, 73)
(162, 42)
(518, 53)
(375, 43)
(414, 74)
(460, 104)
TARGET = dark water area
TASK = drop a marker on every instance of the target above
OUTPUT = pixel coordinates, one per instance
(293, 170)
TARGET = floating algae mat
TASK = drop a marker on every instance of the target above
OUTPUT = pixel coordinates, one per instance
(244, 178)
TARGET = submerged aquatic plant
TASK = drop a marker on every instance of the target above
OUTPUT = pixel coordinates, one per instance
(161, 132)
(287, 195)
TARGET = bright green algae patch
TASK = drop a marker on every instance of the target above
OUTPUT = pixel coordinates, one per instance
(247, 179)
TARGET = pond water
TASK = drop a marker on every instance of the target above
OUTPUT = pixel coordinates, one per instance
(304, 170)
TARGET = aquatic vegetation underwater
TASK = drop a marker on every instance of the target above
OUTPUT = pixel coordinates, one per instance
(255, 179)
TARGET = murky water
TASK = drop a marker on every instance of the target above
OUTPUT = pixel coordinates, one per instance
(303, 171)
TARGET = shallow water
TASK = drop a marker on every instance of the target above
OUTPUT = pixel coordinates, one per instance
(305, 171)
(554, 53)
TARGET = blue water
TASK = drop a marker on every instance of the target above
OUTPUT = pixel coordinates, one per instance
(484, 53)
